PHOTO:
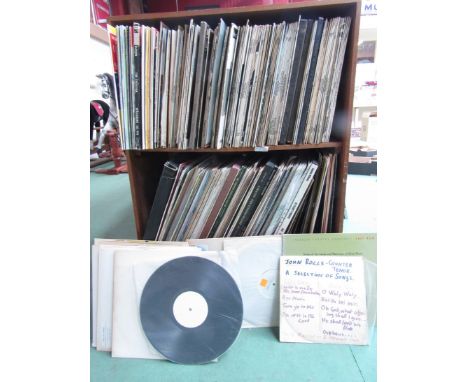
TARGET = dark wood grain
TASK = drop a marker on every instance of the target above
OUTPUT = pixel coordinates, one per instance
(247, 149)
(144, 170)
(254, 12)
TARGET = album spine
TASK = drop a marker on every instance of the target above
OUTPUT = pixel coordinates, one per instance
(333, 192)
(318, 204)
(326, 200)
(216, 138)
(160, 200)
(129, 80)
(260, 188)
(298, 84)
(288, 111)
(310, 80)
(137, 84)
(305, 186)
(193, 138)
(220, 199)
(227, 201)
(217, 79)
(204, 88)
(206, 137)
(111, 31)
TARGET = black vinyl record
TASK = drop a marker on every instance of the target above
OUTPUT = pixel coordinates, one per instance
(191, 310)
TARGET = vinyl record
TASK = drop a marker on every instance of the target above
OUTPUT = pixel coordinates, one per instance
(191, 310)
(257, 266)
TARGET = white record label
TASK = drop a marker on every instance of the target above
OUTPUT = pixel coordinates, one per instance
(190, 309)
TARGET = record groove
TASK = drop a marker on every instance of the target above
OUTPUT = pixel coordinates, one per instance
(191, 310)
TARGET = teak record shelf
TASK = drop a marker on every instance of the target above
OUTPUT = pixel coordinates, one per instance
(249, 149)
(145, 167)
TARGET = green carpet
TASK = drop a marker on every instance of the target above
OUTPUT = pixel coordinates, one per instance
(257, 355)
(111, 207)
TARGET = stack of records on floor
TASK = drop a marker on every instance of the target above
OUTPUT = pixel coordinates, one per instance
(234, 86)
(211, 197)
(121, 270)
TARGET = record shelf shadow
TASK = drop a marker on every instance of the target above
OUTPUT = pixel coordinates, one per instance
(145, 167)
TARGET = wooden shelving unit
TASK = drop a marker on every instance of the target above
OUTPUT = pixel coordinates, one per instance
(145, 167)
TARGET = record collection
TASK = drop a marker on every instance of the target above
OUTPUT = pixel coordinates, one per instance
(156, 300)
(187, 301)
(212, 197)
(156, 295)
(234, 86)
(219, 223)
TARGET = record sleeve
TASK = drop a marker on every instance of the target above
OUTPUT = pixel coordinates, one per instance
(256, 263)
(128, 338)
(104, 283)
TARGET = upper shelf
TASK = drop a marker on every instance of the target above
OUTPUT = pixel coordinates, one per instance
(280, 11)
(326, 145)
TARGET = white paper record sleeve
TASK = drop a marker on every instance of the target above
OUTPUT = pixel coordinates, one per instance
(117, 285)
(105, 282)
(255, 261)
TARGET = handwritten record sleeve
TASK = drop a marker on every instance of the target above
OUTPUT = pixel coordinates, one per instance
(323, 300)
